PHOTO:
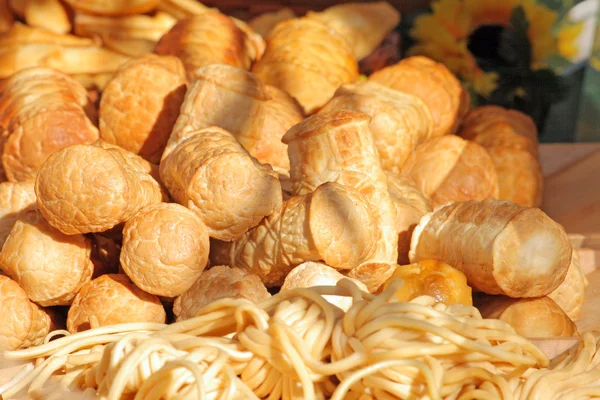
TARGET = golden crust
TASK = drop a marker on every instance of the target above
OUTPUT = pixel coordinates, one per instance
(113, 299)
(308, 61)
(569, 295)
(113, 7)
(15, 197)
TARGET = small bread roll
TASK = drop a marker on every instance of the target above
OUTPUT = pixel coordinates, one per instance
(399, 121)
(257, 115)
(24, 323)
(436, 279)
(50, 266)
(93, 188)
(502, 247)
(448, 169)
(537, 318)
(411, 204)
(308, 61)
(113, 7)
(209, 38)
(15, 197)
(310, 274)
(41, 111)
(112, 299)
(210, 172)
(480, 118)
(569, 295)
(141, 103)
(165, 249)
(433, 83)
(217, 283)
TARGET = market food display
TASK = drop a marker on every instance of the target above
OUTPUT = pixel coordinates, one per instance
(197, 206)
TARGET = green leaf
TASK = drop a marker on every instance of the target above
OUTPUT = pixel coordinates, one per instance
(515, 47)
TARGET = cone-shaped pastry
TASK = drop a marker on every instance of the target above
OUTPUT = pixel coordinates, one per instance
(15, 197)
(363, 25)
(310, 274)
(209, 38)
(569, 295)
(209, 172)
(334, 224)
(113, 7)
(50, 266)
(165, 249)
(399, 121)
(93, 188)
(449, 168)
(217, 283)
(140, 105)
(502, 247)
(339, 147)
(510, 137)
(434, 84)
(308, 61)
(24, 323)
(411, 204)
(41, 111)
(257, 115)
(533, 318)
(112, 299)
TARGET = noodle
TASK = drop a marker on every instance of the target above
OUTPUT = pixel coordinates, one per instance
(295, 345)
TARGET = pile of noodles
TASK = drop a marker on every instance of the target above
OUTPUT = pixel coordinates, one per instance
(296, 345)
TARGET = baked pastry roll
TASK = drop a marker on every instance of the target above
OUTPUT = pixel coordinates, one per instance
(307, 60)
(502, 247)
(399, 121)
(7, 18)
(569, 295)
(50, 15)
(363, 25)
(258, 115)
(140, 105)
(510, 137)
(265, 22)
(210, 38)
(15, 197)
(449, 168)
(41, 111)
(433, 83)
(113, 7)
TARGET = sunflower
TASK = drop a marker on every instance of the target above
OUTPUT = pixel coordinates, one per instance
(446, 34)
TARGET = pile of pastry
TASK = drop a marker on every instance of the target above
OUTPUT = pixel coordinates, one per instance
(218, 163)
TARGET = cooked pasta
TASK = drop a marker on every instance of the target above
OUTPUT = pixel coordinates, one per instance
(296, 345)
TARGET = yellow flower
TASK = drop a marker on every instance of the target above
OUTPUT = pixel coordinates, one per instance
(567, 40)
(443, 35)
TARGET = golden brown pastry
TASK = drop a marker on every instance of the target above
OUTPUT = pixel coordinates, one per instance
(339, 147)
(537, 318)
(434, 84)
(209, 38)
(7, 19)
(435, 279)
(41, 111)
(147, 27)
(112, 299)
(15, 197)
(217, 283)
(372, 275)
(448, 169)
(93, 188)
(113, 7)
(334, 224)
(17, 6)
(257, 115)
(24, 323)
(569, 295)
(165, 249)
(363, 25)
(399, 121)
(264, 23)
(502, 247)
(140, 105)
(21, 34)
(310, 274)
(411, 204)
(308, 61)
(50, 15)
(50, 266)
(210, 172)
(510, 138)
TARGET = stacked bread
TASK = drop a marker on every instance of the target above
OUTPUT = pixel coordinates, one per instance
(224, 165)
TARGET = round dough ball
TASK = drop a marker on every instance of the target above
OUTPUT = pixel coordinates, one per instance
(14, 198)
(113, 299)
(50, 266)
(165, 249)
